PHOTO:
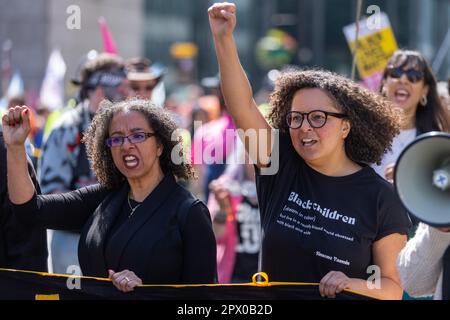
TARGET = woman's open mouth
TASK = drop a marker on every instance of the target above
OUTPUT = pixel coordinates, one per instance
(308, 142)
(130, 161)
(401, 95)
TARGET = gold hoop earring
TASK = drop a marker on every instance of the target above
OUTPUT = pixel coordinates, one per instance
(424, 101)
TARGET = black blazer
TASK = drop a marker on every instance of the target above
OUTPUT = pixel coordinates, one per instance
(168, 240)
(22, 246)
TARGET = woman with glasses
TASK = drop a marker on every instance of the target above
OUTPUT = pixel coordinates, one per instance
(326, 216)
(138, 224)
(409, 83)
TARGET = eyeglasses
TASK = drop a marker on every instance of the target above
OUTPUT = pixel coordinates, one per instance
(137, 137)
(413, 75)
(316, 118)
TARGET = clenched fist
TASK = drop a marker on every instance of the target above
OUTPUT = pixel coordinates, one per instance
(222, 18)
(16, 126)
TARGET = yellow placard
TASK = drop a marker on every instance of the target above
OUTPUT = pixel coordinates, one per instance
(183, 50)
(373, 51)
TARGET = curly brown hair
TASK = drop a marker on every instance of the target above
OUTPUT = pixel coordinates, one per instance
(374, 120)
(99, 153)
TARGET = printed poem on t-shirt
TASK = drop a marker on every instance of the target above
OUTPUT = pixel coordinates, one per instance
(302, 216)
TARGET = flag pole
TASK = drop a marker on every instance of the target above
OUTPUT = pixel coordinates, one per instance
(358, 18)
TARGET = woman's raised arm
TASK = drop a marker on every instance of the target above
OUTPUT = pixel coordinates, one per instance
(235, 85)
(16, 127)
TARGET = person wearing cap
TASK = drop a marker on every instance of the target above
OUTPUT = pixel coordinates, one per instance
(64, 165)
(143, 77)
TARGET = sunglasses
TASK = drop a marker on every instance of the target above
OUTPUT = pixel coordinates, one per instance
(413, 75)
(316, 119)
(137, 137)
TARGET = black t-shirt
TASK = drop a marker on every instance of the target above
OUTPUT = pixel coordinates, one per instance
(247, 248)
(313, 224)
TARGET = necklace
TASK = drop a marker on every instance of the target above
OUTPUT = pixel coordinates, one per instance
(131, 208)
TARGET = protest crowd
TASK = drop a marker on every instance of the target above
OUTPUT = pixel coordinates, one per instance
(140, 177)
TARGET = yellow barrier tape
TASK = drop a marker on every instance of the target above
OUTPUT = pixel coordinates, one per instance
(264, 283)
(47, 297)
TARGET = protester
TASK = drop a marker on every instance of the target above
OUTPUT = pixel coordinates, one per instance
(21, 246)
(138, 225)
(142, 77)
(234, 210)
(212, 143)
(41, 115)
(326, 215)
(64, 165)
(409, 83)
(422, 262)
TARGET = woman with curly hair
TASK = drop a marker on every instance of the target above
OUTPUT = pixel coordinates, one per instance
(138, 224)
(409, 83)
(326, 216)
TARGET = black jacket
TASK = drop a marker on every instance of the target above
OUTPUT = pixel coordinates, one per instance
(169, 238)
(22, 246)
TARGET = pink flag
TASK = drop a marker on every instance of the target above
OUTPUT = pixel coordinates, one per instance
(109, 45)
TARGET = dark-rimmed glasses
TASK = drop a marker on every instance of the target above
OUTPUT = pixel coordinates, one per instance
(136, 137)
(413, 75)
(316, 118)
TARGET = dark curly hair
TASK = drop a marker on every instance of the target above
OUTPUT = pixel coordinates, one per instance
(432, 116)
(374, 120)
(99, 153)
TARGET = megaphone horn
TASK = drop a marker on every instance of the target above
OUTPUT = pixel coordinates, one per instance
(422, 178)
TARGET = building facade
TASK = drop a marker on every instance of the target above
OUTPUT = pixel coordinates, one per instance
(316, 25)
(37, 27)
(150, 27)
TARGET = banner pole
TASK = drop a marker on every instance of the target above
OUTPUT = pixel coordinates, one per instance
(358, 17)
